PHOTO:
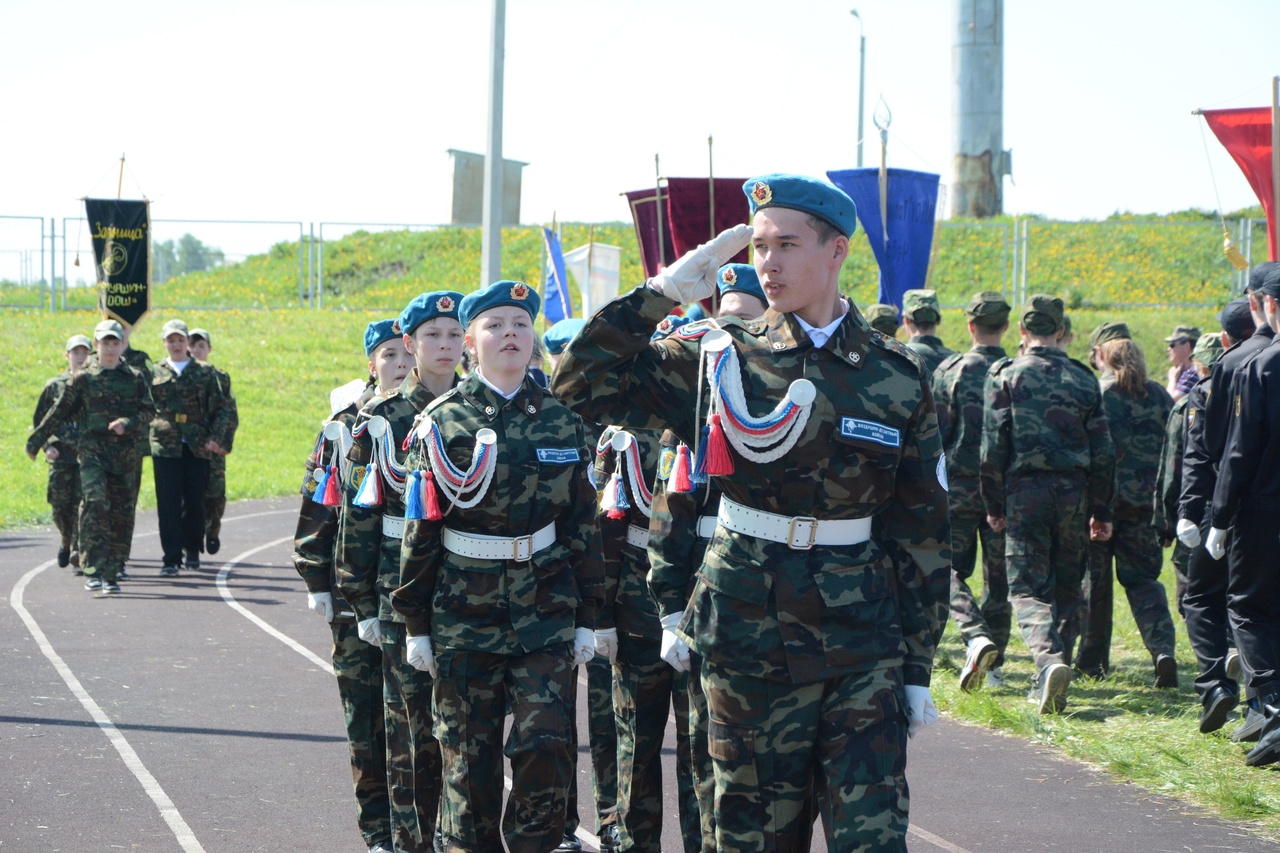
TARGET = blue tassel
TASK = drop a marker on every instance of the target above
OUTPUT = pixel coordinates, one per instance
(369, 495)
(699, 475)
(623, 503)
(321, 483)
(413, 497)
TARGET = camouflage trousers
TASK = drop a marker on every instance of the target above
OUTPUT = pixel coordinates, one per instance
(1046, 546)
(1181, 560)
(774, 746)
(1138, 560)
(143, 453)
(992, 616)
(358, 667)
(109, 490)
(646, 690)
(473, 693)
(704, 777)
(215, 497)
(413, 755)
(602, 739)
(63, 495)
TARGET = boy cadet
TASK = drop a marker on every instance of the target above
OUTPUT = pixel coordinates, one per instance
(192, 419)
(111, 404)
(921, 315)
(63, 492)
(1047, 469)
(357, 664)
(215, 497)
(884, 319)
(818, 606)
(958, 393)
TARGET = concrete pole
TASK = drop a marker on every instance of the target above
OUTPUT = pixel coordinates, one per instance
(977, 62)
(862, 79)
(491, 241)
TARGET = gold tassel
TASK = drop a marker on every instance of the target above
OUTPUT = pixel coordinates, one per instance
(1233, 254)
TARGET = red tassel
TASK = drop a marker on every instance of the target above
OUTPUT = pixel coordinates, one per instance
(430, 499)
(332, 494)
(719, 462)
(680, 482)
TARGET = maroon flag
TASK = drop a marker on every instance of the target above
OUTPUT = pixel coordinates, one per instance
(1246, 134)
(648, 216)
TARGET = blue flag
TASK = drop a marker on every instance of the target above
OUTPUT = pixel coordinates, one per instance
(912, 200)
(556, 304)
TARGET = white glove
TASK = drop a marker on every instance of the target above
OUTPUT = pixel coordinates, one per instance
(693, 276)
(675, 651)
(1216, 543)
(607, 643)
(370, 631)
(921, 711)
(1188, 532)
(417, 651)
(584, 645)
(322, 603)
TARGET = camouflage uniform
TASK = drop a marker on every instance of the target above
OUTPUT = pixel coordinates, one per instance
(502, 630)
(1047, 467)
(1137, 430)
(931, 349)
(357, 664)
(922, 307)
(1164, 505)
(94, 398)
(795, 643)
(368, 572)
(141, 362)
(646, 690)
(191, 410)
(215, 496)
(63, 491)
(958, 393)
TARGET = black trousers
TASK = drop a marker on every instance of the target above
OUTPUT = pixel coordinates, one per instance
(180, 486)
(1253, 595)
(1205, 611)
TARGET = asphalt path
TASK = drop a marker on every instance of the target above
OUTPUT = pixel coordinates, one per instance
(200, 713)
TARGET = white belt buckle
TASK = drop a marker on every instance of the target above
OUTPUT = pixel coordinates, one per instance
(522, 548)
(806, 526)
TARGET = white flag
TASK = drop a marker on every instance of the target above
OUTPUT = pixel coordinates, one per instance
(599, 285)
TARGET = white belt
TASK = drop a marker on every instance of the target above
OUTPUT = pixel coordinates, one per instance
(707, 526)
(638, 536)
(393, 526)
(480, 547)
(799, 533)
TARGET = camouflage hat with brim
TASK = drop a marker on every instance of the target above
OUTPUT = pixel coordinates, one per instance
(1189, 334)
(883, 318)
(1208, 349)
(1112, 330)
(174, 327)
(202, 334)
(108, 329)
(988, 309)
(921, 306)
(1042, 314)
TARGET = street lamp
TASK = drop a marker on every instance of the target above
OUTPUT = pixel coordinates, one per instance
(862, 78)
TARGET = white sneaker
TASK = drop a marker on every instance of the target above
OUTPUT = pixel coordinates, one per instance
(1053, 688)
(981, 655)
(1235, 668)
(995, 677)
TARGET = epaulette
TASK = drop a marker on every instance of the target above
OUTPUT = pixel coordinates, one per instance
(694, 331)
(999, 365)
(950, 360)
(897, 347)
(1080, 364)
(438, 401)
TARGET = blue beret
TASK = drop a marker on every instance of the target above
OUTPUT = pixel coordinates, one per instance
(558, 336)
(669, 324)
(742, 278)
(695, 312)
(428, 306)
(809, 195)
(499, 293)
(379, 332)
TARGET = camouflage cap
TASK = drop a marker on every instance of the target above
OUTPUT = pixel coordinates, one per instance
(1112, 330)
(203, 335)
(174, 327)
(108, 329)
(883, 318)
(988, 309)
(79, 341)
(1190, 334)
(1042, 314)
(1208, 348)
(921, 306)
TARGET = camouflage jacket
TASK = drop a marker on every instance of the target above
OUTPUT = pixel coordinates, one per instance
(507, 607)
(368, 561)
(1137, 432)
(627, 603)
(1164, 503)
(191, 409)
(932, 351)
(65, 441)
(233, 412)
(675, 548)
(1249, 474)
(1044, 415)
(959, 384)
(315, 540)
(94, 398)
(870, 449)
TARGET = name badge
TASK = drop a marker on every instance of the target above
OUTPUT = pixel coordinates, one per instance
(871, 431)
(558, 455)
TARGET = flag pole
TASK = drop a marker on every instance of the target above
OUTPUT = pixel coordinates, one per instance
(591, 245)
(657, 201)
(1275, 163)
(120, 182)
(711, 210)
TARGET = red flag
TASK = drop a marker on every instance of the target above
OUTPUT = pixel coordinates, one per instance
(689, 207)
(648, 217)
(1246, 134)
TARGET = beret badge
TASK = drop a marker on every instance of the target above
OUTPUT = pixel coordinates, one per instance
(395, 327)
(519, 290)
(444, 304)
(730, 277)
(761, 193)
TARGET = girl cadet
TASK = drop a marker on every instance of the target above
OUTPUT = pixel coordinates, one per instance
(502, 579)
(357, 664)
(369, 557)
